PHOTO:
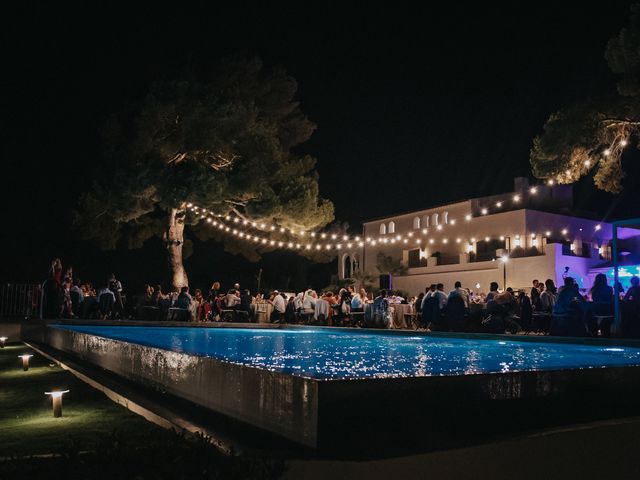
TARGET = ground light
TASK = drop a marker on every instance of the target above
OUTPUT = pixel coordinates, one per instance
(57, 402)
(3, 340)
(25, 361)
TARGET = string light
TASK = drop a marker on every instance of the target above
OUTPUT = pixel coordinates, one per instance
(516, 198)
(623, 143)
(484, 211)
(533, 190)
(550, 182)
(498, 204)
(467, 217)
(607, 152)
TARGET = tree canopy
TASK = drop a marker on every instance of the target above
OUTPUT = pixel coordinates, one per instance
(590, 137)
(226, 143)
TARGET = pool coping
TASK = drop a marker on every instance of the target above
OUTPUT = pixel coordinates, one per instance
(270, 326)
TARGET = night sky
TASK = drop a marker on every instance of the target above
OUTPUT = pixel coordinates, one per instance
(415, 105)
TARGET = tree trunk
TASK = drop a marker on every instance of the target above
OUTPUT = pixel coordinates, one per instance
(174, 239)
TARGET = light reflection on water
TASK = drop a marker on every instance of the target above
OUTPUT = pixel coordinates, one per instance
(337, 354)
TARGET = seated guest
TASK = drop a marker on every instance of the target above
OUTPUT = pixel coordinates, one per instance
(106, 300)
(633, 294)
(568, 311)
(458, 291)
(77, 297)
(321, 311)
(232, 299)
(601, 306)
(357, 302)
(493, 291)
(381, 310)
(309, 301)
(279, 307)
(602, 293)
(184, 299)
(245, 301)
(332, 300)
(547, 298)
(440, 296)
(290, 310)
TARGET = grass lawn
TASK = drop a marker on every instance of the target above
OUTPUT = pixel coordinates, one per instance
(95, 438)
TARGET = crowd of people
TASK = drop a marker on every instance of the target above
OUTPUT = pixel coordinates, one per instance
(561, 311)
(66, 296)
(544, 308)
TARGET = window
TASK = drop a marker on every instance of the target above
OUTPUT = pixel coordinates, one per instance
(434, 219)
(392, 227)
(383, 229)
(445, 217)
(425, 221)
(416, 223)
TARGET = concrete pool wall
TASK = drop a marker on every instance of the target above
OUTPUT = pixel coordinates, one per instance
(279, 403)
(317, 413)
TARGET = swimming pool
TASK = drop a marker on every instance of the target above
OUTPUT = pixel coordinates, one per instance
(324, 386)
(335, 354)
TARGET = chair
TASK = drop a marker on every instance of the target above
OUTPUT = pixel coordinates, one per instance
(105, 304)
(455, 314)
(227, 315)
(178, 315)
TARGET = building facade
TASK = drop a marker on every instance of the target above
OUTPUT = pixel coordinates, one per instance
(512, 238)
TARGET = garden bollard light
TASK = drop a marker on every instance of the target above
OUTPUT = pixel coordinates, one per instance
(3, 341)
(57, 402)
(25, 361)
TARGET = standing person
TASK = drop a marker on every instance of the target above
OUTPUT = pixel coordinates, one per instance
(547, 297)
(535, 292)
(116, 287)
(524, 309)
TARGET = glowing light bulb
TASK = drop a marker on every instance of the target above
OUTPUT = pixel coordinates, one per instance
(439, 227)
(598, 227)
(484, 211)
(486, 239)
(607, 152)
(547, 233)
(564, 231)
(467, 217)
(445, 240)
(452, 221)
(361, 244)
(357, 239)
(457, 240)
(281, 229)
(498, 204)
(424, 231)
(533, 190)
(501, 237)
(587, 163)
(550, 182)
(516, 198)
(623, 143)
(272, 242)
(334, 236)
(349, 245)
(431, 240)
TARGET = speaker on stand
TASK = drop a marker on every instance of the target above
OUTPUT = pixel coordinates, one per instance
(385, 282)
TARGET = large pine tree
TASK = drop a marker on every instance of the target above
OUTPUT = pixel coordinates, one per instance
(590, 137)
(226, 144)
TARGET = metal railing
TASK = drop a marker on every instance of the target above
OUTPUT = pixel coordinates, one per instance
(20, 300)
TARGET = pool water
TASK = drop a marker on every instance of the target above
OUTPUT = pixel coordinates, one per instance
(337, 354)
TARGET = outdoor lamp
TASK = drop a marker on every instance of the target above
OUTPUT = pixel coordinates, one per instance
(25, 361)
(3, 341)
(57, 402)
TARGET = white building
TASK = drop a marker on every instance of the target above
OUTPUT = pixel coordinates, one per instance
(526, 234)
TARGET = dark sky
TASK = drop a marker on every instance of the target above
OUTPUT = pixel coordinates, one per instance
(415, 104)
